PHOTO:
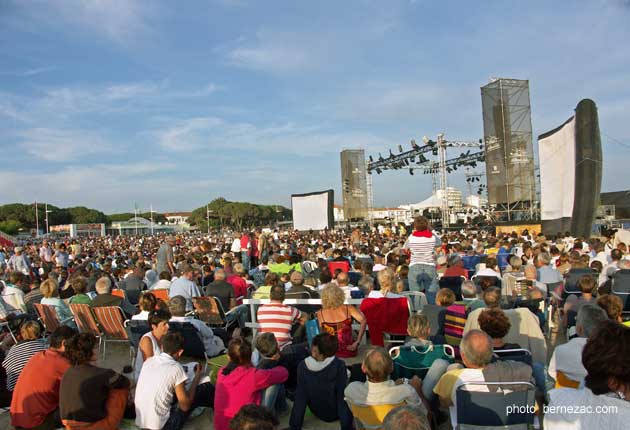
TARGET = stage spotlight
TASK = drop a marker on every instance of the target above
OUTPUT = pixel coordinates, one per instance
(425, 140)
(407, 161)
(400, 148)
(391, 154)
(380, 157)
(414, 145)
(454, 166)
(435, 151)
(411, 172)
(378, 171)
(413, 158)
(371, 159)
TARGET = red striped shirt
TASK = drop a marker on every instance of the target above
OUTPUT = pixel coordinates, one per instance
(278, 318)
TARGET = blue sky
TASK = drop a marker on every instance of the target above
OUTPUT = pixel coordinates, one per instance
(106, 103)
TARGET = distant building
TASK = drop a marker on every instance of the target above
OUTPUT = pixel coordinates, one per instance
(394, 215)
(338, 213)
(138, 226)
(454, 197)
(476, 201)
(177, 218)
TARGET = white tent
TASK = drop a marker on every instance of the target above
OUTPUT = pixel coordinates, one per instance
(432, 202)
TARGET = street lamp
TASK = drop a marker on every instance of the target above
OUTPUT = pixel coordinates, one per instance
(47, 212)
(152, 212)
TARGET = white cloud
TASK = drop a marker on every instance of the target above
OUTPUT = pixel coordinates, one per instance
(61, 145)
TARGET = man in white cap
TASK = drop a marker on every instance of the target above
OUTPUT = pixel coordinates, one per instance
(19, 262)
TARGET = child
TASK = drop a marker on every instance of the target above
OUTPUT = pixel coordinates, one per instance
(322, 378)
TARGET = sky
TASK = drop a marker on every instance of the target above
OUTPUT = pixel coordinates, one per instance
(111, 103)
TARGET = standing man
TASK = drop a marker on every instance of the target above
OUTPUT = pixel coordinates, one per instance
(45, 254)
(19, 262)
(245, 247)
(165, 256)
(61, 257)
(422, 244)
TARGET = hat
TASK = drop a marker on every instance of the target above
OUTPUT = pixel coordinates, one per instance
(19, 249)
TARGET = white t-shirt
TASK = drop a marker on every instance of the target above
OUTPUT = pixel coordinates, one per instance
(567, 358)
(450, 381)
(155, 390)
(565, 411)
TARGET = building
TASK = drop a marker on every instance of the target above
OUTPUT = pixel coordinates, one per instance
(177, 218)
(338, 213)
(77, 230)
(454, 197)
(138, 226)
(394, 215)
(476, 201)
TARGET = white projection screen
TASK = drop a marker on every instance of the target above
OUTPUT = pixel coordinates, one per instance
(313, 211)
(556, 151)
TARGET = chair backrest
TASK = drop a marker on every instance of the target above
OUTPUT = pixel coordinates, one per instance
(135, 330)
(471, 261)
(385, 316)
(112, 321)
(518, 354)
(118, 292)
(371, 416)
(620, 287)
(410, 361)
(511, 405)
(562, 381)
(334, 265)
(417, 300)
(571, 281)
(84, 318)
(502, 261)
(210, 310)
(193, 345)
(161, 294)
(48, 316)
(453, 283)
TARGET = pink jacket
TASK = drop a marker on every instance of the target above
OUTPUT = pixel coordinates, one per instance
(242, 387)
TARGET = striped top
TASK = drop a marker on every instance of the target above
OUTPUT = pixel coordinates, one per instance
(278, 318)
(18, 356)
(422, 249)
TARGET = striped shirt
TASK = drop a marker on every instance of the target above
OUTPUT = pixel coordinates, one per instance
(422, 249)
(18, 356)
(277, 318)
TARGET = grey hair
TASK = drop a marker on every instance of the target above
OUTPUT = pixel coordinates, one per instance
(469, 290)
(624, 264)
(476, 346)
(544, 257)
(407, 417)
(103, 285)
(454, 259)
(588, 318)
(177, 306)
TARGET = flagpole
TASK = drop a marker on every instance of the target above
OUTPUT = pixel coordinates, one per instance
(36, 221)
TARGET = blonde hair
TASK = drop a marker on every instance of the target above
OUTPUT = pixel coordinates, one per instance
(445, 297)
(332, 296)
(30, 330)
(418, 326)
(386, 280)
(48, 288)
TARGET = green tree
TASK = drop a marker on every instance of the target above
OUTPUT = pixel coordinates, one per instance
(10, 226)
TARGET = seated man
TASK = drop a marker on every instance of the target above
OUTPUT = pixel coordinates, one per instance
(212, 343)
(278, 318)
(567, 358)
(163, 379)
(406, 417)
(586, 284)
(184, 286)
(106, 298)
(298, 290)
(225, 292)
(35, 402)
(322, 378)
(476, 351)
(379, 389)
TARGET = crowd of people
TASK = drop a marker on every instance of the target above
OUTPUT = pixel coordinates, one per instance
(466, 308)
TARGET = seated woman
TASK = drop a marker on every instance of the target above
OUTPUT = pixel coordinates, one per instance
(239, 383)
(79, 285)
(19, 354)
(419, 328)
(90, 397)
(607, 384)
(49, 290)
(497, 325)
(436, 313)
(336, 318)
(151, 342)
(146, 303)
(386, 279)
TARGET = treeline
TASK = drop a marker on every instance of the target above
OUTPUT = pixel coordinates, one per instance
(238, 215)
(16, 217)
